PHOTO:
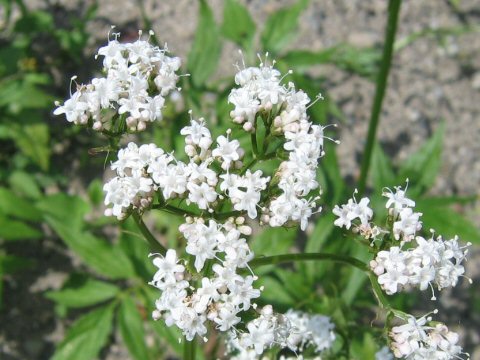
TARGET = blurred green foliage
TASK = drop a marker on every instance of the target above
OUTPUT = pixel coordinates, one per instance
(110, 288)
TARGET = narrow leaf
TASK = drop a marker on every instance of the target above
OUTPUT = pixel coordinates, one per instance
(238, 25)
(205, 53)
(17, 230)
(447, 222)
(103, 257)
(13, 205)
(89, 293)
(131, 328)
(381, 172)
(281, 27)
(423, 166)
(87, 336)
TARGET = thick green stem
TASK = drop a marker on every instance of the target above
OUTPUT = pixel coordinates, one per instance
(391, 29)
(189, 349)
(155, 245)
(278, 259)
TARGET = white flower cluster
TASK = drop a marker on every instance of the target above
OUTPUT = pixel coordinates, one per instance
(221, 297)
(416, 340)
(218, 185)
(433, 261)
(297, 176)
(294, 330)
(143, 170)
(262, 95)
(138, 77)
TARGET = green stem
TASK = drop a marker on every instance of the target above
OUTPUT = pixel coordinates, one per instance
(391, 29)
(278, 259)
(377, 291)
(174, 210)
(248, 166)
(253, 138)
(189, 349)
(156, 246)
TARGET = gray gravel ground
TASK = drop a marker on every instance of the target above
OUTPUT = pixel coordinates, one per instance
(428, 84)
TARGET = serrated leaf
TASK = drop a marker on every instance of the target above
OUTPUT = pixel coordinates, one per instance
(87, 336)
(131, 328)
(104, 258)
(281, 27)
(17, 230)
(15, 206)
(238, 25)
(381, 172)
(205, 53)
(447, 222)
(89, 293)
(422, 167)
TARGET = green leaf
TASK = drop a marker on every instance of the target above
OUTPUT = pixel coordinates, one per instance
(205, 53)
(323, 229)
(447, 222)
(15, 206)
(17, 230)
(137, 249)
(303, 59)
(274, 292)
(95, 192)
(87, 336)
(170, 335)
(238, 25)
(67, 209)
(104, 258)
(33, 141)
(10, 263)
(382, 171)
(131, 328)
(281, 27)
(88, 293)
(24, 184)
(272, 241)
(422, 167)
(361, 61)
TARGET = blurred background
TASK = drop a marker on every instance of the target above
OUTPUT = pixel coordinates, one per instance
(334, 45)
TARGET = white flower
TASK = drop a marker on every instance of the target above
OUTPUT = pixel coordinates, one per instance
(228, 151)
(202, 194)
(167, 266)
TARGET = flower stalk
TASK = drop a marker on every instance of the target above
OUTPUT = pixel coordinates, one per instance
(381, 84)
(152, 241)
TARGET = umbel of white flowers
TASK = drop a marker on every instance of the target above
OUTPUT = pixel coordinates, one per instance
(138, 78)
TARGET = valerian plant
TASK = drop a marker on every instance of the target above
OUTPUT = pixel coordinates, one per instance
(262, 171)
